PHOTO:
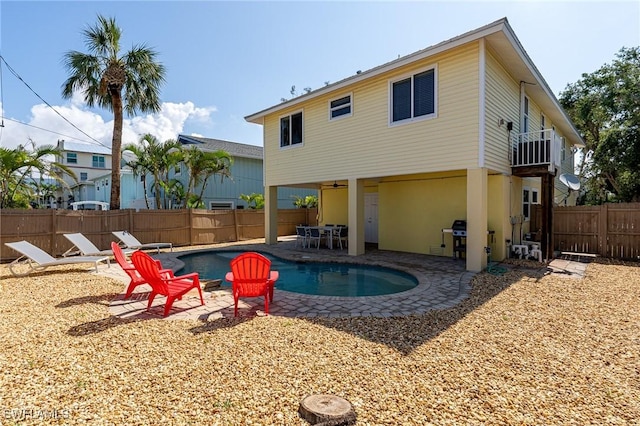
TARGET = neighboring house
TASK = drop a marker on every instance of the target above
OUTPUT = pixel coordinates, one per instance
(88, 162)
(246, 178)
(466, 129)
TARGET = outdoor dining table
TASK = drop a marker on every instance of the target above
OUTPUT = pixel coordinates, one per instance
(328, 231)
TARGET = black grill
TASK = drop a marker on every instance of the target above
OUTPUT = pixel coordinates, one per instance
(459, 228)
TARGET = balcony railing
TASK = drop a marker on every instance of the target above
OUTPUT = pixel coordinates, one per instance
(537, 148)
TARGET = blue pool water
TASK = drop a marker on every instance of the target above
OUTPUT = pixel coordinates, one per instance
(319, 278)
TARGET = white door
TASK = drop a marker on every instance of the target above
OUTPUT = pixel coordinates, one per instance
(371, 218)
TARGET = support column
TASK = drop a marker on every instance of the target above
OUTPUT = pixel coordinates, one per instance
(271, 214)
(547, 216)
(476, 219)
(356, 217)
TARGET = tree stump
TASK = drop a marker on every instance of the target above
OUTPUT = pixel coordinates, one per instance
(327, 410)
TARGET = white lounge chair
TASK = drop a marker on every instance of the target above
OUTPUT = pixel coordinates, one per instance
(83, 245)
(131, 242)
(37, 259)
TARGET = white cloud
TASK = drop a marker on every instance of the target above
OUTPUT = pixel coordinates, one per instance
(45, 127)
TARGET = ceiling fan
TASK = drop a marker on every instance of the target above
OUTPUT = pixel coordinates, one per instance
(336, 184)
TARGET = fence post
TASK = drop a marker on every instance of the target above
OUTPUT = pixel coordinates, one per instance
(190, 213)
(603, 227)
(54, 232)
(235, 223)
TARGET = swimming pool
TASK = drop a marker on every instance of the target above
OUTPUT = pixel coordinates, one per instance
(318, 278)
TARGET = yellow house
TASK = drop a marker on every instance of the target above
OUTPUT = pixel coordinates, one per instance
(464, 130)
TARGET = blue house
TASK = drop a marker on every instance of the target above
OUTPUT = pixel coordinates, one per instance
(246, 178)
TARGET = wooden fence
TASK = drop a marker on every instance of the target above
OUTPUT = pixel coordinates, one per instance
(610, 230)
(182, 227)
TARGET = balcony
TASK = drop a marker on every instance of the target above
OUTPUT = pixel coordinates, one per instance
(535, 153)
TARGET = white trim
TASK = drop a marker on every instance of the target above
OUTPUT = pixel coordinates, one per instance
(482, 103)
(410, 75)
(350, 104)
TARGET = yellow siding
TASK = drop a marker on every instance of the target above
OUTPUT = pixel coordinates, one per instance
(364, 144)
(413, 212)
(502, 101)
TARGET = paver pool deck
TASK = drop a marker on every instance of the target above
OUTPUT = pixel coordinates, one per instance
(443, 282)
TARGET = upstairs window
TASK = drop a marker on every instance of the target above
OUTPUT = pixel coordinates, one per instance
(340, 108)
(98, 161)
(291, 130)
(72, 158)
(414, 97)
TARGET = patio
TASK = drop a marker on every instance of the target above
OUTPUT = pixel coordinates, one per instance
(443, 283)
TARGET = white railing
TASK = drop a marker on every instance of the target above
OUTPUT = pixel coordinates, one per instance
(537, 148)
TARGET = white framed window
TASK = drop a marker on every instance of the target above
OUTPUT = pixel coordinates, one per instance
(177, 170)
(340, 108)
(291, 130)
(72, 158)
(413, 97)
(529, 198)
(97, 161)
(221, 205)
(83, 176)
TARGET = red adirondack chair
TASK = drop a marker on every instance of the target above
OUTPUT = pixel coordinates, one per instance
(129, 269)
(251, 276)
(171, 287)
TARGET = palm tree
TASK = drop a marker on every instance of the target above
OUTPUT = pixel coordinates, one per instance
(103, 75)
(139, 164)
(17, 167)
(156, 159)
(202, 165)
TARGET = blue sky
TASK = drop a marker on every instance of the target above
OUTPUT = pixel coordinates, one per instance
(226, 60)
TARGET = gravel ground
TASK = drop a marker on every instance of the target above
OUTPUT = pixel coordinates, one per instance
(524, 348)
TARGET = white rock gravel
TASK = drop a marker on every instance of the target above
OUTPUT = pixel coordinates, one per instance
(523, 349)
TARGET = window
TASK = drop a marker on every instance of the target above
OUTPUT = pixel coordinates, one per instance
(340, 108)
(72, 158)
(291, 130)
(542, 124)
(529, 197)
(98, 161)
(414, 97)
(220, 205)
(83, 176)
(177, 170)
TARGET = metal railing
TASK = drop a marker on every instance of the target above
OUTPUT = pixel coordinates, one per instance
(537, 148)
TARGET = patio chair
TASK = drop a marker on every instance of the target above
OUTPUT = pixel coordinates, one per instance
(131, 271)
(37, 259)
(171, 287)
(340, 234)
(131, 242)
(251, 276)
(82, 244)
(315, 234)
(301, 235)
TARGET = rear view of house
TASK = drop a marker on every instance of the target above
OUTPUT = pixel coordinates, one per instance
(465, 130)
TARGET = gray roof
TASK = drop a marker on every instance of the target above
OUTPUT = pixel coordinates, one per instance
(234, 148)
